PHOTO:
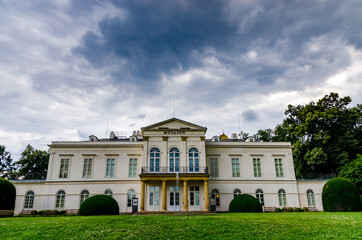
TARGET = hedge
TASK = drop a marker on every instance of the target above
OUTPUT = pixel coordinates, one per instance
(340, 195)
(99, 205)
(245, 203)
(7, 195)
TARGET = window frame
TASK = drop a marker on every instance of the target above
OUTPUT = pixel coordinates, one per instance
(235, 167)
(194, 195)
(131, 193)
(257, 167)
(152, 201)
(64, 168)
(279, 171)
(87, 168)
(174, 156)
(29, 199)
(154, 159)
(259, 194)
(282, 197)
(214, 168)
(132, 167)
(84, 194)
(110, 175)
(106, 192)
(60, 199)
(193, 159)
(311, 198)
(236, 192)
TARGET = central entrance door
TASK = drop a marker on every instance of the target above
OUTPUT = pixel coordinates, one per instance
(174, 199)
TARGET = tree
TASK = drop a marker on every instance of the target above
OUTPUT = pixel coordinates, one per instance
(7, 166)
(243, 135)
(326, 135)
(353, 171)
(33, 163)
(264, 135)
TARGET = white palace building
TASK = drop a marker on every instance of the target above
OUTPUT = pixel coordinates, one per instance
(168, 166)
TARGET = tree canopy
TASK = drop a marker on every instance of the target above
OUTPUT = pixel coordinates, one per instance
(326, 135)
(33, 163)
(6, 163)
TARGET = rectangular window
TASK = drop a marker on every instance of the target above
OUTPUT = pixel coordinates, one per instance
(87, 168)
(64, 168)
(213, 167)
(132, 170)
(235, 167)
(110, 168)
(278, 167)
(257, 167)
(154, 196)
(194, 196)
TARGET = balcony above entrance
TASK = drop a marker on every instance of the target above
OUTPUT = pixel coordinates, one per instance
(180, 171)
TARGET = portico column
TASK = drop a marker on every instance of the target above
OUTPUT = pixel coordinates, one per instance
(164, 196)
(206, 187)
(142, 204)
(186, 204)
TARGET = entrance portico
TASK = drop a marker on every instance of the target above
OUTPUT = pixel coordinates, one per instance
(171, 190)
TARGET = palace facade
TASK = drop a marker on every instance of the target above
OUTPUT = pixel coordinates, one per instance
(168, 166)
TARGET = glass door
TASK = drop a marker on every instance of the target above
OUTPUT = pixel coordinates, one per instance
(174, 199)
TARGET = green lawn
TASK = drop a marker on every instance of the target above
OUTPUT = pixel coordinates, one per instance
(318, 225)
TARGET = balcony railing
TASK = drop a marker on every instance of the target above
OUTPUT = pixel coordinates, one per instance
(174, 170)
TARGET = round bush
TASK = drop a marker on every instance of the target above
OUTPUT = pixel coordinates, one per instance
(7, 195)
(340, 195)
(245, 203)
(99, 205)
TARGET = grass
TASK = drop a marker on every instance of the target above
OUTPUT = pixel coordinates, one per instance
(317, 225)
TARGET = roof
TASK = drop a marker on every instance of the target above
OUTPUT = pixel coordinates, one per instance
(173, 120)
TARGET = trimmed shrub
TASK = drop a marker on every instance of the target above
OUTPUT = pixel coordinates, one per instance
(62, 212)
(7, 195)
(340, 195)
(278, 210)
(34, 212)
(299, 210)
(245, 203)
(99, 205)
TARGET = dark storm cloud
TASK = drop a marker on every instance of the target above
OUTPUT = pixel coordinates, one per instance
(156, 37)
(250, 115)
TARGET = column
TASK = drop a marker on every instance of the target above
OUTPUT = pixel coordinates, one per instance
(186, 204)
(142, 201)
(164, 196)
(206, 187)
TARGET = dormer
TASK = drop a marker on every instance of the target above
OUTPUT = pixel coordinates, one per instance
(93, 138)
(215, 139)
(133, 139)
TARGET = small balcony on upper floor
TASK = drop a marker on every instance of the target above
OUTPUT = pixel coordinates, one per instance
(175, 171)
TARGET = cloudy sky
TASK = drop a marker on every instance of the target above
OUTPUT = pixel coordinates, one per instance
(68, 66)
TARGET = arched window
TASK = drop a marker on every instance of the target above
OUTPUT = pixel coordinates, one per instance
(282, 198)
(108, 192)
(29, 199)
(174, 160)
(130, 194)
(193, 160)
(311, 198)
(84, 194)
(237, 192)
(154, 160)
(260, 196)
(60, 199)
(216, 195)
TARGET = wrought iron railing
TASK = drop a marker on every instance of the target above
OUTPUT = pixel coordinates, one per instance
(28, 176)
(318, 176)
(179, 169)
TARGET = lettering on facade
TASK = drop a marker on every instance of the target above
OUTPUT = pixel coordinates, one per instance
(174, 132)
